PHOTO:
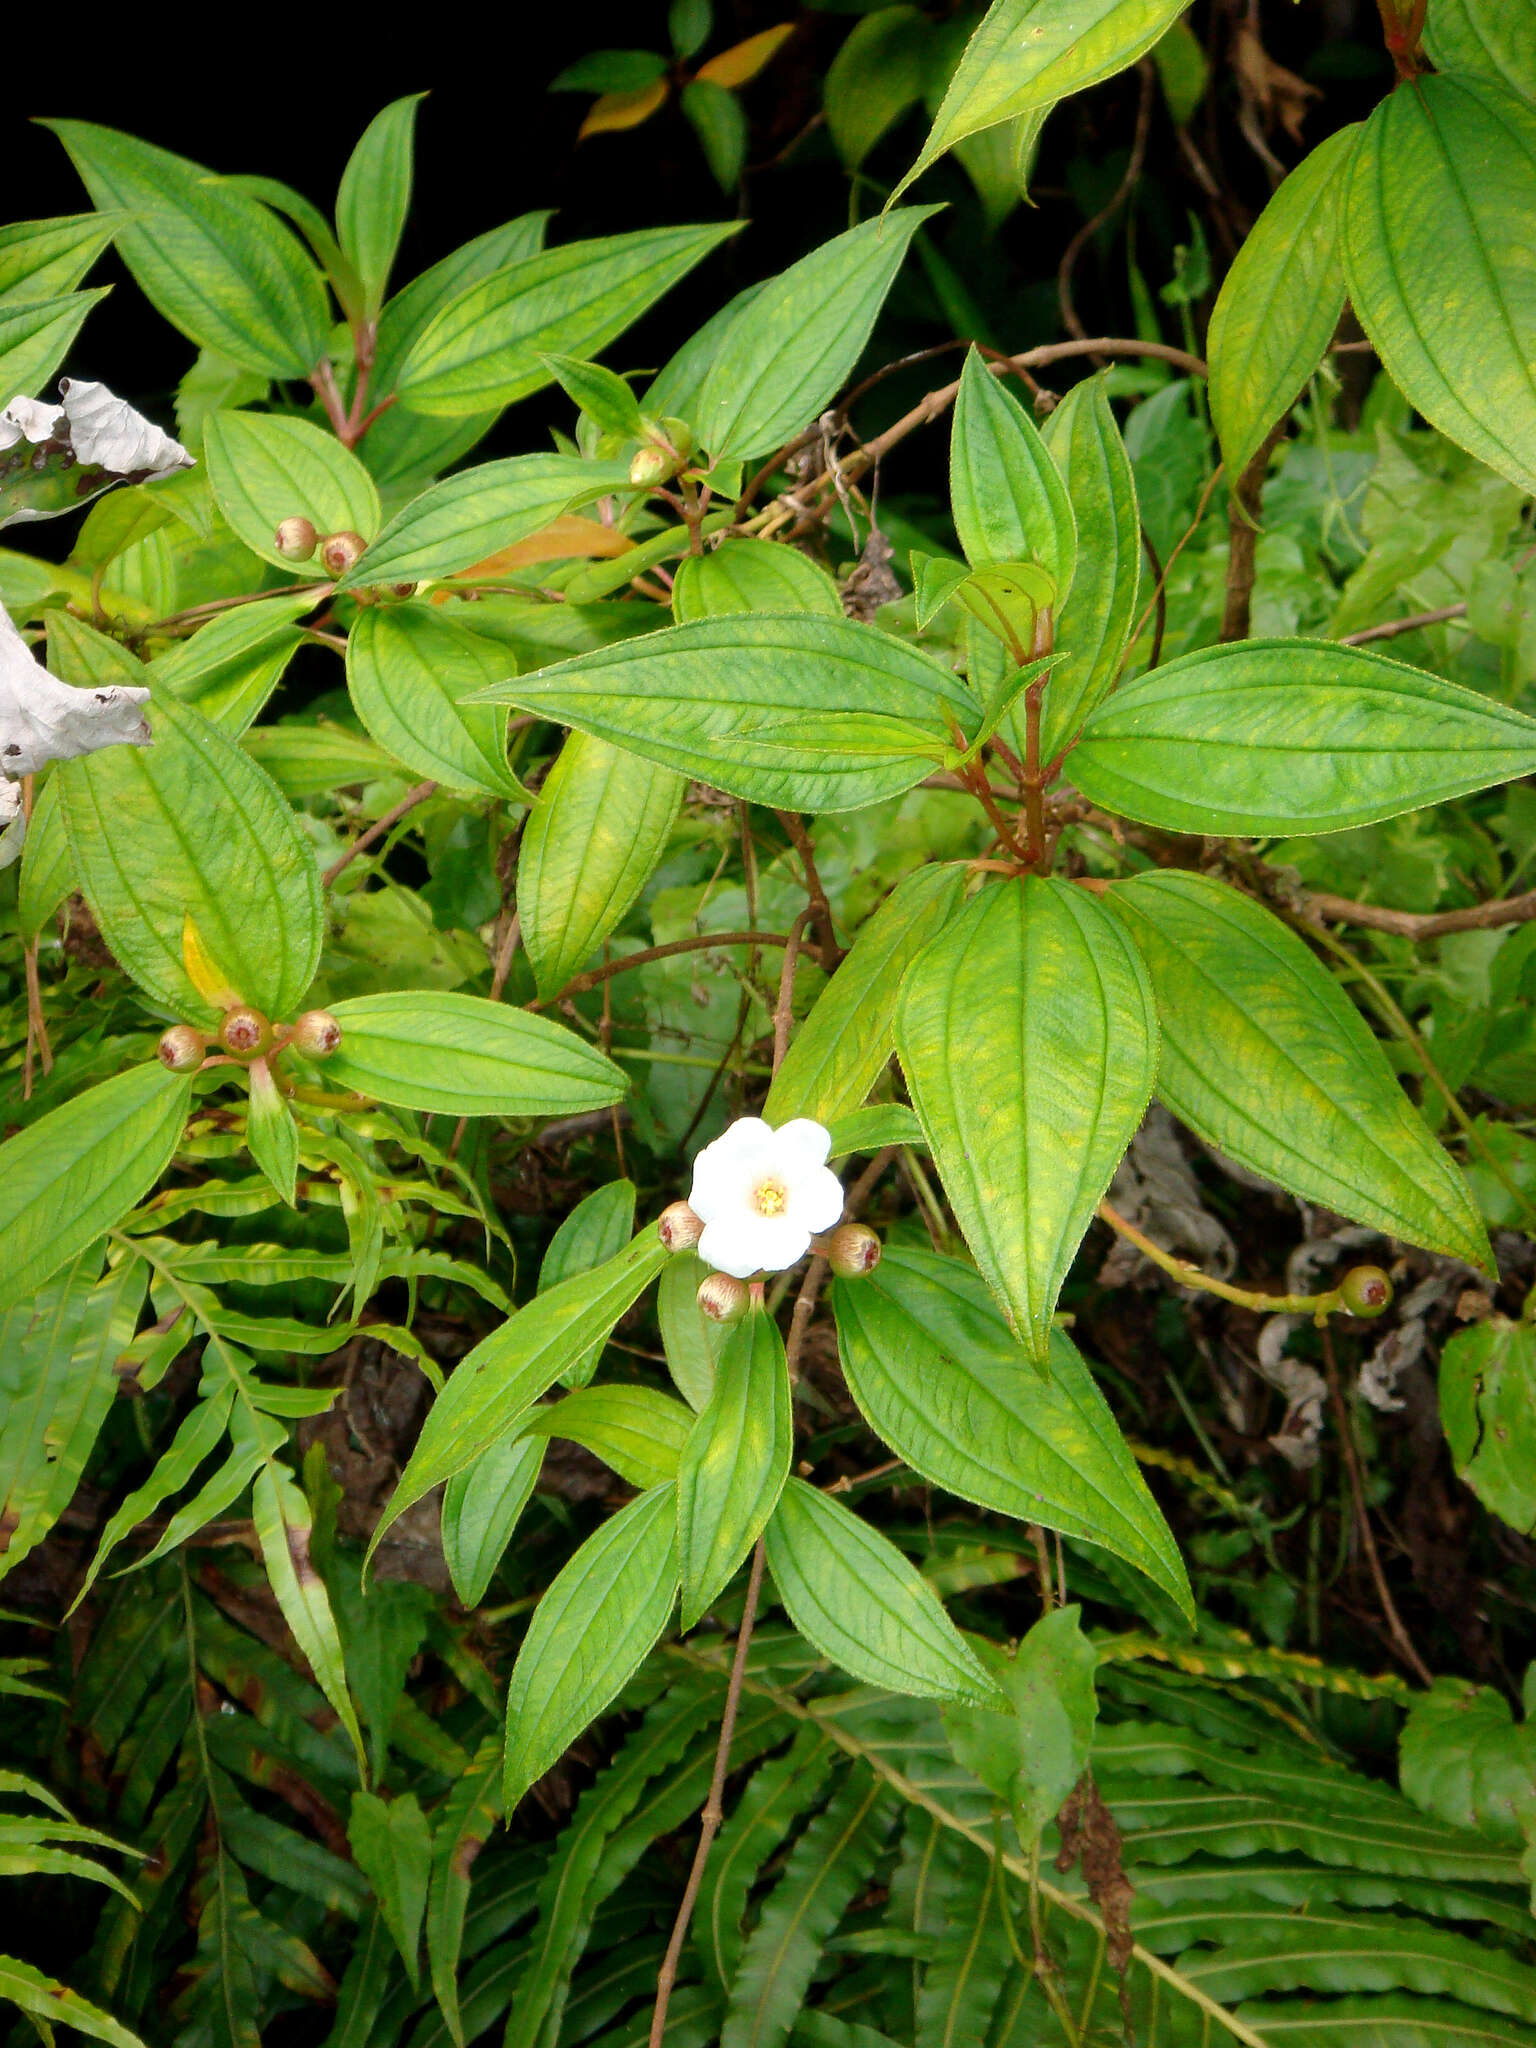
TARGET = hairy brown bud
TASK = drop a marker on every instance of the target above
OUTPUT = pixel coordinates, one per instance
(340, 551)
(724, 1299)
(852, 1250)
(245, 1031)
(679, 1228)
(181, 1049)
(1366, 1291)
(316, 1034)
(296, 539)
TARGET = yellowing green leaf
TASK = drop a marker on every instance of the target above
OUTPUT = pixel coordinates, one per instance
(459, 1055)
(1009, 502)
(734, 1463)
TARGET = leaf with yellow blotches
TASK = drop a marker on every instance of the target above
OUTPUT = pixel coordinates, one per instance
(203, 971)
(616, 110)
(743, 61)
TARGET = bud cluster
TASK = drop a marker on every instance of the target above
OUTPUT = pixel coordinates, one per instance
(298, 539)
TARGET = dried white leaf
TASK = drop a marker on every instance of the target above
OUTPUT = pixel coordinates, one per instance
(108, 434)
(1155, 1189)
(30, 419)
(13, 823)
(1305, 1391)
(42, 719)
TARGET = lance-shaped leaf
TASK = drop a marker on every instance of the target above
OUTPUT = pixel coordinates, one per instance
(839, 1051)
(1027, 54)
(1292, 736)
(409, 668)
(601, 823)
(392, 1844)
(805, 713)
(80, 1169)
(34, 339)
(198, 1436)
(283, 1520)
(1093, 623)
(467, 517)
(481, 1508)
(851, 1592)
(788, 350)
(507, 1372)
(1483, 37)
(1010, 504)
(191, 826)
(734, 1463)
(48, 2003)
(487, 347)
(1443, 186)
(458, 1055)
(374, 198)
(219, 267)
(940, 1377)
(1279, 303)
(264, 469)
(589, 1632)
(1268, 1060)
(598, 1228)
(1029, 1042)
(40, 259)
(639, 1431)
(270, 1132)
(691, 1341)
(43, 720)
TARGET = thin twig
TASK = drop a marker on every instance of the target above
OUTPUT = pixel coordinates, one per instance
(1401, 1640)
(377, 829)
(1423, 924)
(1112, 205)
(784, 1008)
(1243, 537)
(1178, 548)
(593, 977)
(1392, 627)
(827, 946)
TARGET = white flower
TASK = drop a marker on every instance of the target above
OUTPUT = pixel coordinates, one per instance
(762, 1194)
(42, 719)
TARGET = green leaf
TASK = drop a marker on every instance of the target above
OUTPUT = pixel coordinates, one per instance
(503, 1376)
(1010, 504)
(639, 1431)
(1028, 1120)
(801, 712)
(734, 1463)
(692, 1342)
(603, 395)
(467, 517)
(1032, 1757)
(610, 71)
(599, 1618)
(1027, 54)
(283, 1524)
(481, 1507)
(409, 669)
(1292, 736)
(873, 1128)
(746, 575)
(458, 1055)
(770, 1803)
(597, 1229)
(191, 827)
(271, 1134)
(392, 1844)
(601, 823)
(1464, 1758)
(935, 579)
(1094, 621)
(880, 71)
(47, 871)
(215, 264)
(1488, 1412)
(77, 1171)
(464, 1825)
(41, 259)
(35, 338)
(57, 1351)
(839, 1052)
(485, 348)
(1279, 303)
(375, 197)
(230, 666)
(1441, 186)
(1266, 1058)
(264, 468)
(852, 1593)
(940, 1378)
(793, 345)
(1484, 36)
(718, 120)
(52, 2004)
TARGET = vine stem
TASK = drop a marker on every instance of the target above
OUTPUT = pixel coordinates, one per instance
(1319, 1305)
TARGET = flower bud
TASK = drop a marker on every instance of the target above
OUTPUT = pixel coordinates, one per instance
(245, 1031)
(316, 1034)
(181, 1049)
(852, 1250)
(651, 466)
(679, 1228)
(296, 539)
(679, 434)
(1365, 1291)
(723, 1299)
(340, 551)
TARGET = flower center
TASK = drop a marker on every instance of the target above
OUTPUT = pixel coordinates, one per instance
(770, 1197)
